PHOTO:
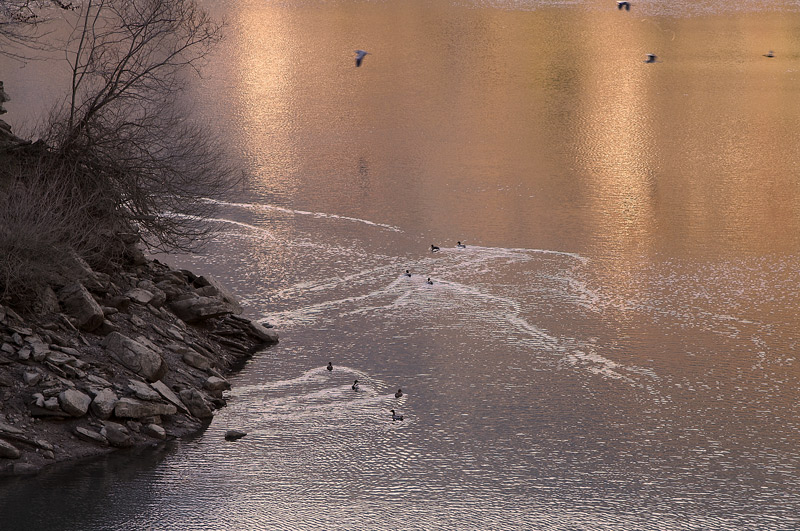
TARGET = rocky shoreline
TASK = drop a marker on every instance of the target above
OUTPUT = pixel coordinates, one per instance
(117, 361)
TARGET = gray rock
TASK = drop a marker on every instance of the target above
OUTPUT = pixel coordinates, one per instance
(197, 309)
(196, 403)
(58, 358)
(159, 297)
(136, 409)
(155, 431)
(39, 348)
(267, 335)
(232, 435)
(167, 393)
(67, 350)
(79, 304)
(24, 354)
(91, 436)
(31, 378)
(194, 359)
(143, 391)
(175, 333)
(52, 404)
(139, 296)
(117, 435)
(8, 348)
(98, 380)
(135, 356)
(219, 291)
(216, 385)
(74, 402)
(8, 450)
(103, 404)
(9, 429)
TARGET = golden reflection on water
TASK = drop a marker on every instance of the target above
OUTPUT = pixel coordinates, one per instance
(543, 126)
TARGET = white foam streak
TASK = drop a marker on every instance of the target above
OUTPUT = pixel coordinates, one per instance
(257, 206)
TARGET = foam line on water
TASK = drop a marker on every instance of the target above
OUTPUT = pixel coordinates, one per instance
(248, 226)
(258, 206)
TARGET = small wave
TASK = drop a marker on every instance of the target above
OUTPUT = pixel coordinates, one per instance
(257, 206)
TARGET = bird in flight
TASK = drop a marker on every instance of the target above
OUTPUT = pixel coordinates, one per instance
(360, 56)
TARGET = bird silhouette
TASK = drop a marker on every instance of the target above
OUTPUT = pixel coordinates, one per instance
(360, 54)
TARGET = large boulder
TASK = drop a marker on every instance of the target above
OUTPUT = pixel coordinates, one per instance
(170, 395)
(196, 403)
(117, 435)
(74, 402)
(266, 335)
(155, 431)
(208, 286)
(136, 409)
(8, 450)
(79, 304)
(216, 385)
(194, 359)
(143, 391)
(140, 359)
(88, 435)
(103, 403)
(140, 296)
(195, 309)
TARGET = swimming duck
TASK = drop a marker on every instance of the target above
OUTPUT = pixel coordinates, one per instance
(429, 281)
(330, 366)
(399, 393)
(651, 58)
(461, 245)
(434, 248)
(355, 386)
(769, 54)
(395, 416)
(408, 273)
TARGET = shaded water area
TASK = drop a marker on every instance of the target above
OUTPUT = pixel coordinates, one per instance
(614, 348)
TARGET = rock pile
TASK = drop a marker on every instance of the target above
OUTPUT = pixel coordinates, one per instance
(117, 361)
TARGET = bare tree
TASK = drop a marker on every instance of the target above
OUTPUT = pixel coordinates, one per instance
(122, 129)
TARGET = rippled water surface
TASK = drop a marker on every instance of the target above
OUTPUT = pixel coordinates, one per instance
(615, 347)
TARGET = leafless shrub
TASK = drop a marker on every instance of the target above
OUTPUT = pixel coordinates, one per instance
(122, 128)
(41, 222)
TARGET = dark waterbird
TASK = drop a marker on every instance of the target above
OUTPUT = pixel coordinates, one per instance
(395, 416)
(624, 5)
(651, 58)
(399, 393)
(330, 366)
(354, 387)
(434, 248)
(360, 54)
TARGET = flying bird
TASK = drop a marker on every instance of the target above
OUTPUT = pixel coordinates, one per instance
(360, 54)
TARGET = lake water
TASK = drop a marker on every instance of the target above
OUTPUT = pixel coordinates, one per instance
(615, 348)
